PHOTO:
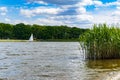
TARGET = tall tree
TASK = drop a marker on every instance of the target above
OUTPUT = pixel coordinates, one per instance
(6, 31)
(21, 31)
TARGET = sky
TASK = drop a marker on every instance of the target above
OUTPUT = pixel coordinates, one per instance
(73, 13)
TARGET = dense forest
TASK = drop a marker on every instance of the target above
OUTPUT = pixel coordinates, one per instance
(41, 32)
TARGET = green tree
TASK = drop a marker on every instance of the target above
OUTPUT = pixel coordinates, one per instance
(21, 31)
(6, 31)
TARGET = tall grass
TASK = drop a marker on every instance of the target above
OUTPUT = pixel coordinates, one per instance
(101, 42)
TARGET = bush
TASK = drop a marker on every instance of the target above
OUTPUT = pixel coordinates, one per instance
(101, 42)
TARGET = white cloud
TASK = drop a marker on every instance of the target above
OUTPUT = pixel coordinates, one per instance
(3, 13)
(84, 17)
(116, 3)
(85, 3)
(70, 20)
(81, 10)
(7, 20)
(99, 16)
(63, 17)
(40, 10)
(54, 19)
(116, 13)
(21, 21)
(44, 10)
(118, 7)
(104, 17)
(49, 21)
(27, 13)
(97, 3)
(51, 16)
(3, 9)
(41, 2)
(108, 16)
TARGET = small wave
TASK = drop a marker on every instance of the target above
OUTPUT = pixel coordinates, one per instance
(13, 54)
(113, 76)
(3, 56)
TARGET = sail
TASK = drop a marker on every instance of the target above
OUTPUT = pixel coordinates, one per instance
(31, 37)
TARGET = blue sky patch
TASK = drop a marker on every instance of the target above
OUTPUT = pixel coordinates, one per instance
(79, 13)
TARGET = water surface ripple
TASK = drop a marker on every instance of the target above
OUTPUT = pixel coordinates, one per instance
(52, 61)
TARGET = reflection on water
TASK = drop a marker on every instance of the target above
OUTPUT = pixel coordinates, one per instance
(51, 61)
(103, 64)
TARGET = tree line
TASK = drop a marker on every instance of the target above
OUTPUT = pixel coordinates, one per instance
(41, 32)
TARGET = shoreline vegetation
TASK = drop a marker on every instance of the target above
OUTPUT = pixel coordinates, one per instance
(12, 40)
(101, 42)
(59, 40)
(49, 40)
(23, 31)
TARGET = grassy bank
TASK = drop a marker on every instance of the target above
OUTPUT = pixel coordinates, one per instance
(101, 42)
(41, 40)
(12, 40)
(59, 40)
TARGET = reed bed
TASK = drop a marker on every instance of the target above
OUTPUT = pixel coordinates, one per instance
(101, 42)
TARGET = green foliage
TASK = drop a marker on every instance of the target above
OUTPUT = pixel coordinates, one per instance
(21, 31)
(6, 31)
(41, 32)
(101, 42)
(56, 32)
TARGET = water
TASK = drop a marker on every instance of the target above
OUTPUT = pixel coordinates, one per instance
(52, 61)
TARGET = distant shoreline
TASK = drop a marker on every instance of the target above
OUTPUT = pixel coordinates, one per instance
(48, 40)
(12, 40)
(60, 40)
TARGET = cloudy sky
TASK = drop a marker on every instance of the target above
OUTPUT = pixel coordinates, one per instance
(79, 13)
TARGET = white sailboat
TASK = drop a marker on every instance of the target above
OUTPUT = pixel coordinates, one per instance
(31, 38)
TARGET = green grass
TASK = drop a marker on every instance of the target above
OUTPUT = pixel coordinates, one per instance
(60, 40)
(47, 40)
(101, 42)
(12, 40)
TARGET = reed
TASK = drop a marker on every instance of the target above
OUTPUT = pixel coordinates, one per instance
(101, 42)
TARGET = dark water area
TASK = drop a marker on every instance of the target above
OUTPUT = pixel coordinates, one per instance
(52, 61)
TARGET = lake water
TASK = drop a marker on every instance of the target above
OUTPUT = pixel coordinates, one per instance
(52, 61)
